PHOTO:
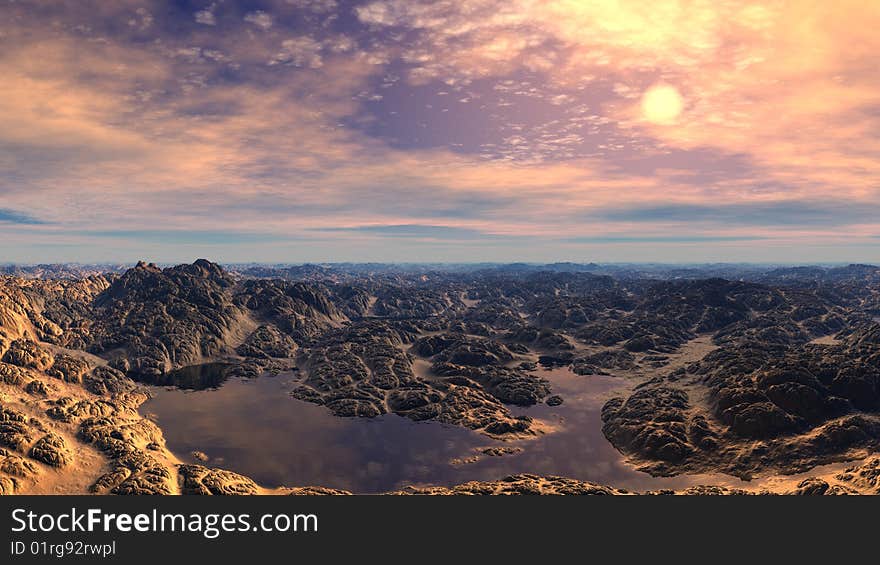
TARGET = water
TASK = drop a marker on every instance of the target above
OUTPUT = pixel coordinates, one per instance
(195, 377)
(255, 428)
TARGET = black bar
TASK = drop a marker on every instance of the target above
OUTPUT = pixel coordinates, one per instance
(411, 529)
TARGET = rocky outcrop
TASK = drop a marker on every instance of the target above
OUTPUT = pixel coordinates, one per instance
(268, 341)
(460, 349)
(604, 362)
(363, 371)
(519, 485)
(653, 422)
(133, 469)
(28, 354)
(51, 450)
(195, 479)
(17, 430)
(805, 404)
(151, 321)
(69, 368)
(159, 319)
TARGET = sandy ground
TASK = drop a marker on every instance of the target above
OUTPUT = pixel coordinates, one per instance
(88, 463)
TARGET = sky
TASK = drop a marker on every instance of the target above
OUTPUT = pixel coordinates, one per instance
(411, 130)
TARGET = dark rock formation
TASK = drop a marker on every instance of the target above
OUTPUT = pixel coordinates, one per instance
(51, 450)
(162, 319)
(268, 341)
(523, 484)
(28, 354)
(195, 479)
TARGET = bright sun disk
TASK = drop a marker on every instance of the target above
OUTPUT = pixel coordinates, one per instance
(661, 104)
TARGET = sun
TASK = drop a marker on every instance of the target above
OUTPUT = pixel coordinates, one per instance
(662, 104)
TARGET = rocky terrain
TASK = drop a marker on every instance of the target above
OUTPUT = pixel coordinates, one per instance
(746, 371)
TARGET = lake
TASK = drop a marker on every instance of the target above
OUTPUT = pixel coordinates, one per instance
(254, 427)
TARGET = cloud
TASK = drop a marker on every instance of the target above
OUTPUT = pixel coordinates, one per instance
(661, 239)
(441, 125)
(206, 16)
(13, 217)
(261, 19)
(785, 83)
(413, 231)
(799, 214)
(316, 6)
(182, 237)
(301, 51)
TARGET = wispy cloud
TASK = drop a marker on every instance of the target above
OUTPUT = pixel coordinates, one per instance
(660, 239)
(772, 214)
(183, 237)
(413, 231)
(13, 217)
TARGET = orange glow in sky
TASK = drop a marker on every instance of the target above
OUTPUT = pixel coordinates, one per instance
(311, 130)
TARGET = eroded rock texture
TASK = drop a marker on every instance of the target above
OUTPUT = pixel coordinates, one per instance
(739, 370)
(768, 397)
(519, 485)
(365, 371)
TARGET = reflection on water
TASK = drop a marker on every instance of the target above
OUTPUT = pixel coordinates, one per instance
(255, 428)
(195, 377)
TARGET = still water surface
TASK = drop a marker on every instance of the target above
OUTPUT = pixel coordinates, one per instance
(256, 428)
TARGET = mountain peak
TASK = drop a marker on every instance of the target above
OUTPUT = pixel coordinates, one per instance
(201, 268)
(144, 266)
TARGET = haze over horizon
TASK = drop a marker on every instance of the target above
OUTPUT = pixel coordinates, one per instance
(289, 131)
(709, 269)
